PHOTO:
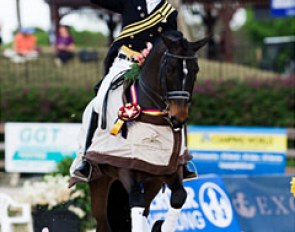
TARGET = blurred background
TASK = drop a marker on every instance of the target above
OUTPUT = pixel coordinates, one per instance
(246, 85)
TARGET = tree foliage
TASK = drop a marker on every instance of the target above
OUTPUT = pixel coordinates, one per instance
(257, 30)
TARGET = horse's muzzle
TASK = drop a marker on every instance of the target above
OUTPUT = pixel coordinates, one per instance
(176, 124)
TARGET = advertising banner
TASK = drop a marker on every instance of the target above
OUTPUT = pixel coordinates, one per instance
(238, 150)
(38, 147)
(283, 8)
(262, 203)
(207, 208)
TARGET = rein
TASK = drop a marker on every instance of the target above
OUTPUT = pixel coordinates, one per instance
(131, 111)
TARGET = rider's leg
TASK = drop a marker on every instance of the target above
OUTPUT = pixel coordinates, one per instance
(84, 169)
(87, 114)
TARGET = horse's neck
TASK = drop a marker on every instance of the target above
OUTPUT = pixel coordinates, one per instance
(150, 85)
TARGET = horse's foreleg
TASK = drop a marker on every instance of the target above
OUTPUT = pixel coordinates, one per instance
(136, 202)
(177, 200)
(99, 190)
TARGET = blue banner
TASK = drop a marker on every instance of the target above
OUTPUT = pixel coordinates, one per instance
(283, 8)
(207, 208)
(238, 150)
(263, 204)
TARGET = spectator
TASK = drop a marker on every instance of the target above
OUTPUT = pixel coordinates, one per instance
(24, 46)
(64, 46)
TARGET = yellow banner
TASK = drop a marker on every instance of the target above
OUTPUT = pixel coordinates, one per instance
(237, 142)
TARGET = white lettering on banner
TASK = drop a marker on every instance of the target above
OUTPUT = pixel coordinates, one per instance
(243, 206)
(272, 158)
(191, 220)
(230, 156)
(188, 220)
(207, 156)
(251, 157)
(236, 165)
(190, 200)
(162, 201)
(263, 205)
(39, 135)
(216, 205)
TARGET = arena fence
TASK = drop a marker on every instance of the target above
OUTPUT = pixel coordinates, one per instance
(45, 71)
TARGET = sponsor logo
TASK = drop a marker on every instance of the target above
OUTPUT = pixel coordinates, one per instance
(216, 205)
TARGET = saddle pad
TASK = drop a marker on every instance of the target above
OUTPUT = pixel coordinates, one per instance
(146, 148)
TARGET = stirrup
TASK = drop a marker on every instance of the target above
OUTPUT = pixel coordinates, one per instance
(195, 171)
(85, 179)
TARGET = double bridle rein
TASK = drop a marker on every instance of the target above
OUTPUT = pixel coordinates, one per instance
(165, 94)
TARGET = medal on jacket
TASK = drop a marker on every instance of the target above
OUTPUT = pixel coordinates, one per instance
(127, 112)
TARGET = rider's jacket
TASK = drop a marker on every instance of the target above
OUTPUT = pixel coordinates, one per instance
(138, 26)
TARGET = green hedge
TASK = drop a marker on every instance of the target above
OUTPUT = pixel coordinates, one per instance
(252, 103)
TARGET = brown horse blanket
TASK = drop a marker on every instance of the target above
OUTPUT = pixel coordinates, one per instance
(152, 148)
(155, 149)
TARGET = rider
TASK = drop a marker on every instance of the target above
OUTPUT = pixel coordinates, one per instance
(143, 21)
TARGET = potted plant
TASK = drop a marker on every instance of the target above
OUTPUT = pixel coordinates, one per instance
(54, 204)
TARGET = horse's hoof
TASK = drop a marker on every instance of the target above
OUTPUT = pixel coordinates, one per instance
(157, 226)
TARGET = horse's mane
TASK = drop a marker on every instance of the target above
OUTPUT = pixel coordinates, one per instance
(159, 46)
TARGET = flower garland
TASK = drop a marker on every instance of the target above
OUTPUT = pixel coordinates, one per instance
(133, 73)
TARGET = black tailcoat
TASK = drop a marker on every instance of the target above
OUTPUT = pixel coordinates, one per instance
(133, 11)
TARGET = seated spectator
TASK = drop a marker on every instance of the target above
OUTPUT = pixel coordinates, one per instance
(64, 46)
(24, 46)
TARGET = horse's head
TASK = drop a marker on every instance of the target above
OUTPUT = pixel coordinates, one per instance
(178, 72)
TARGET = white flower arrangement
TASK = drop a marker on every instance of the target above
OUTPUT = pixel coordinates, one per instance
(52, 192)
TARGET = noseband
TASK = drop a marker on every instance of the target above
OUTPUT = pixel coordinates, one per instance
(178, 94)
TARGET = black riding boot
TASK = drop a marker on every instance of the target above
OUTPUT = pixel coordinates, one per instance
(187, 174)
(83, 170)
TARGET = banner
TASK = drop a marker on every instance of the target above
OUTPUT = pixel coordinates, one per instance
(238, 150)
(207, 208)
(283, 8)
(262, 204)
(38, 147)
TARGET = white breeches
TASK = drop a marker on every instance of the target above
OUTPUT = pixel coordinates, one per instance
(114, 102)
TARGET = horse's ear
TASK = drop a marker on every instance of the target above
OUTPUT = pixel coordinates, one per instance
(198, 44)
(172, 38)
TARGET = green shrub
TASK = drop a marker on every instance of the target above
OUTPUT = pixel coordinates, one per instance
(252, 103)
(44, 104)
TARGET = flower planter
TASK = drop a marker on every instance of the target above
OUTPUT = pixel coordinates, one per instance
(56, 220)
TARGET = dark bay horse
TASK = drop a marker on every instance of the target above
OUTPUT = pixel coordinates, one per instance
(166, 83)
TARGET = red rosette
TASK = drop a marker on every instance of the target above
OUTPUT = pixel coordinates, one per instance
(129, 112)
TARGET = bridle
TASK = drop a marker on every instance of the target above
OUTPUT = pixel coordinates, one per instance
(167, 95)
(179, 94)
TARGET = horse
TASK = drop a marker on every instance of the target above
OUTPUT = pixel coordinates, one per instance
(166, 84)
